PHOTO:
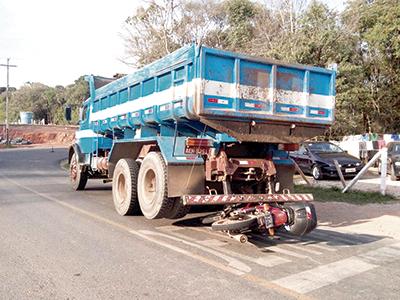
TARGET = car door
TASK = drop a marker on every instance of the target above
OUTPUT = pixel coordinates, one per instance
(303, 158)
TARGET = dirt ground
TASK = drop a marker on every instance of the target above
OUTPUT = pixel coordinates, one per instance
(42, 135)
(368, 219)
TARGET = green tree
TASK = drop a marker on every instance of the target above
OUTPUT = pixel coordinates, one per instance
(368, 80)
(162, 26)
(240, 30)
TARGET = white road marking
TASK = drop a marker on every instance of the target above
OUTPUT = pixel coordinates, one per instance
(245, 276)
(187, 253)
(395, 245)
(210, 231)
(381, 255)
(307, 281)
(304, 249)
(265, 261)
(307, 243)
(310, 280)
(318, 246)
(170, 228)
(342, 242)
(212, 243)
(232, 262)
(286, 252)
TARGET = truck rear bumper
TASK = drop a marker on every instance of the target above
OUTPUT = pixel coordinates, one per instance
(244, 198)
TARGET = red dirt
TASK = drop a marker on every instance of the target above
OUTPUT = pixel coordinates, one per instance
(42, 134)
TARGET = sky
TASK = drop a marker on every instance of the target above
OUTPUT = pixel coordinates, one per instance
(56, 41)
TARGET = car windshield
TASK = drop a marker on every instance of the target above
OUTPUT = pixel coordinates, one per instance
(324, 147)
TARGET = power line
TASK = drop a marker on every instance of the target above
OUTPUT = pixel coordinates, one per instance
(8, 66)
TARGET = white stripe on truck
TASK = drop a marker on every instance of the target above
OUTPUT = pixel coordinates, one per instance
(215, 88)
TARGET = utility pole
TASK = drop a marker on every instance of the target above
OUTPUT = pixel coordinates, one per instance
(8, 66)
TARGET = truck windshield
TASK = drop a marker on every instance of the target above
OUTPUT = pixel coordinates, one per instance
(324, 147)
(83, 113)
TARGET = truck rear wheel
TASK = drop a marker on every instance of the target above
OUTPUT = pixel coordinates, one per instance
(77, 176)
(124, 187)
(178, 210)
(153, 187)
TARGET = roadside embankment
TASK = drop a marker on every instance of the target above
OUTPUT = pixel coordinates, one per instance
(56, 135)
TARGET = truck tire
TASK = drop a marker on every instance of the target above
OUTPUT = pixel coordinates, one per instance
(235, 224)
(77, 176)
(124, 187)
(153, 187)
(178, 209)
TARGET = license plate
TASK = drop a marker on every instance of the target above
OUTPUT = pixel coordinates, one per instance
(350, 170)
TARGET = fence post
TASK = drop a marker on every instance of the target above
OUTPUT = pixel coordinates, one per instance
(383, 170)
(363, 170)
(340, 173)
(296, 166)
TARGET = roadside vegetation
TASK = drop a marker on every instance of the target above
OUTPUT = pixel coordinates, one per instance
(362, 41)
(334, 194)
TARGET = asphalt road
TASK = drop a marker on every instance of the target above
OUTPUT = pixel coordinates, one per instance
(59, 244)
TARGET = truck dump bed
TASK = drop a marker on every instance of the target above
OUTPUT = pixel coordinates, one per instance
(248, 98)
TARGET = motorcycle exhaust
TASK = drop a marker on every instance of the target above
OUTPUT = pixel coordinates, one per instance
(241, 238)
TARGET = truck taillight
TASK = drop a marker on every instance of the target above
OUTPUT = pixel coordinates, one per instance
(198, 146)
(201, 143)
(289, 147)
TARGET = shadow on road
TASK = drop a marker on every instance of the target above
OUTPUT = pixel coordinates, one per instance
(261, 239)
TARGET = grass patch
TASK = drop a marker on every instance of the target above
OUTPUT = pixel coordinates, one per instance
(335, 194)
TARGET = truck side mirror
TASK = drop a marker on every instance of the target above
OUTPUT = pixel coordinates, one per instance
(68, 113)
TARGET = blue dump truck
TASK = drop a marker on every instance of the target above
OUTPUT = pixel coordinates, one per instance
(203, 126)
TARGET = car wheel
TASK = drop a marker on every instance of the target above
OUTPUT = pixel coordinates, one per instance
(316, 172)
(393, 176)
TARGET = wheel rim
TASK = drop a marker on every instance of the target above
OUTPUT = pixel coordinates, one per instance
(121, 189)
(149, 188)
(316, 172)
(73, 169)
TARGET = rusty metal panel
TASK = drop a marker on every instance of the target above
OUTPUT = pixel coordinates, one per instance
(266, 132)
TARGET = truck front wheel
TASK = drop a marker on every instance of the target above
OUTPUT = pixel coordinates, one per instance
(153, 187)
(77, 176)
(124, 187)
